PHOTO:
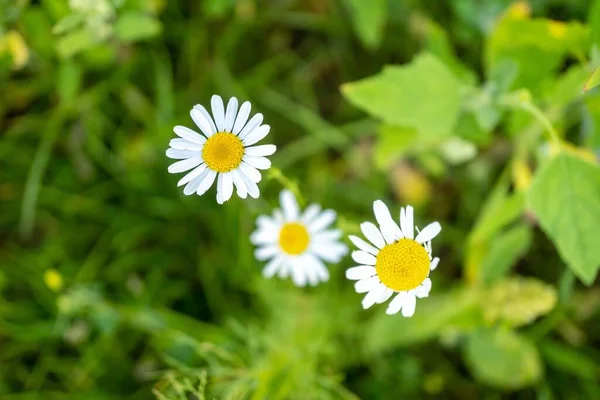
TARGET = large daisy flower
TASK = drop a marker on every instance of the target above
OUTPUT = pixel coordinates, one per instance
(297, 243)
(395, 261)
(224, 152)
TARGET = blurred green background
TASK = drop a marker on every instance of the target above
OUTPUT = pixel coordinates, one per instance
(114, 285)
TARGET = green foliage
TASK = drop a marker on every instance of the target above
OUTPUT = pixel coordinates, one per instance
(369, 20)
(114, 285)
(565, 196)
(133, 26)
(424, 95)
(503, 358)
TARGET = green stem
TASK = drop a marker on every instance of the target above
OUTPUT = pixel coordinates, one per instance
(276, 174)
(541, 117)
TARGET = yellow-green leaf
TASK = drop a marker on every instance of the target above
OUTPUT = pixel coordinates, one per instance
(565, 196)
(423, 95)
(368, 18)
(593, 81)
(502, 358)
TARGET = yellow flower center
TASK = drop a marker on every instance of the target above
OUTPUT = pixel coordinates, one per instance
(293, 238)
(223, 152)
(403, 265)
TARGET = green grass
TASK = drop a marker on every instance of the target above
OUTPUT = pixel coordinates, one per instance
(160, 294)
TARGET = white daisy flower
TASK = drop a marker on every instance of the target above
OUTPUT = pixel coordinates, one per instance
(394, 262)
(297, 243)
(224, 152)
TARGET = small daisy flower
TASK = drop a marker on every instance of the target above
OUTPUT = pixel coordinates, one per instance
(297, 243)
(395, 261)
(224, 152)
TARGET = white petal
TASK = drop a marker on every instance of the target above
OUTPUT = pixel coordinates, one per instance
(322, 221)
(227, 187)
(310, 213)
(230, 114)
(385, 295)
(256, 135)
(267, 222)
(181, 154)
(242, 190)
(366, 284)
(242, 117)
(208, 181)
(408, 227)
(265, 235)
(373, 296)
(188, 134)
(298, 274)
(322, 271)
(434, 263)
(191, 187)
(390, 230)
(252, 173)
(329, 251)
(184, 165)
(372, 234)
(216, 103)
(310, 269)
(278, 216)
(251, 125)
(362, 245)
(272, 266)
(260, 151)
(265, 252)
(219, 188)
(252, 187)
(284, 270)
(257, 162)
(327, 236)
(191, 175)
(200, 119)
(363, 257)
(178, 143)
(429, 232)
(410, 302)
(360, 272)
(208, 121)
(396, 304)
(289, 205)
(423, 289)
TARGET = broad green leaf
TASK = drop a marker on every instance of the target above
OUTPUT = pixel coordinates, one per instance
(593, 81)
(423, 95)
(592, 129)
(432, 317)
(392, 143)
(594, 22)
(503, 359)
(437, 42)
(134, 26)
(518, 301)
(368, 18)
(568, 87)
(570, 360)
(565, 196)
(503, 252)
(536, 46)
(67, 23)
(75, 42)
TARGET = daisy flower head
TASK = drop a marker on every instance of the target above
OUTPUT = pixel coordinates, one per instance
(394, 260)
(224, 152)
(297, 243)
